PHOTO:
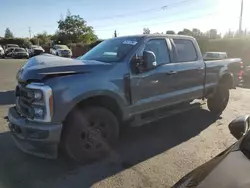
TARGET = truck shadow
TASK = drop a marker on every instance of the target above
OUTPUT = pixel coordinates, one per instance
(136, 145)
(7, 97)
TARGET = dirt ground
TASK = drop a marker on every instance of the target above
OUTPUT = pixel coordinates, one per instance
(155, 155)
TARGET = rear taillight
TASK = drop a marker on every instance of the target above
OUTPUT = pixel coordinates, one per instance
(240, 74)
(241, 65)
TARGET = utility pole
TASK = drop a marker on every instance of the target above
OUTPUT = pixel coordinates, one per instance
(241, 14)
(30, 32)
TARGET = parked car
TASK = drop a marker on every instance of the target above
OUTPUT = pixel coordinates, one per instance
(82, 104)
(1, 52)
(61, 50)
(35, 50)
(20, 53)
(228, 169)
(214, 56)
(11, 46)
(246, 75)
(79, 57)
(8, 52)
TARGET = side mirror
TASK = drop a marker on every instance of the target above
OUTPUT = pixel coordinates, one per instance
(149, 60)
(239, 127)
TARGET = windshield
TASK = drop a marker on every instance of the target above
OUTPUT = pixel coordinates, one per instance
(12, 45)
(34, 46)
(20, 50)
(61, 47)
(112, 50)
(214, 55)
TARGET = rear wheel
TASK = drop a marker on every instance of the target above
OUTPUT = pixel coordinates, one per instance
(89, 134)
(218, 103)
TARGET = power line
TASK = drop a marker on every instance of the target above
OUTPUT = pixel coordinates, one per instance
(164, 7)
(129, 14)
(159, 23)
(30, 32)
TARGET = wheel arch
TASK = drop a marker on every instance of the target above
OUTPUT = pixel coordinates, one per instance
(227, 79)
(108, 100)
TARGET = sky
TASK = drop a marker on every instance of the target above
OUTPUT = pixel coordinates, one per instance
(127, 17)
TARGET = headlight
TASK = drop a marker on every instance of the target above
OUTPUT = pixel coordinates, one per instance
(59, 53)
(38, 112)
(41, 102)
(38, 95)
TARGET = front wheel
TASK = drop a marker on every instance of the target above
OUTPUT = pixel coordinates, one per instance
(218, 102)
(89, 134)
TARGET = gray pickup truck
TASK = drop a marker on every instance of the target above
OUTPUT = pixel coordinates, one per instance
(80, 105)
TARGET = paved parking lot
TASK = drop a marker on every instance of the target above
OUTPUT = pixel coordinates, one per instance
(155, 155)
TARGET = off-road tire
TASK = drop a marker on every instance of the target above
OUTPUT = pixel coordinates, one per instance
(218, 102)
(89, 134)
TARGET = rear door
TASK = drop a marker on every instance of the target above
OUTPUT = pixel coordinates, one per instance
(153, 88)
(190, 70)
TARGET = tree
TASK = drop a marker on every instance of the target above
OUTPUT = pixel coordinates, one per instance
(185, 32)
(196, 33)
(74, 29)
(8, 34)
(68, 13)
(170, 32)
(146, 31)
(43, 38)
(213, 34)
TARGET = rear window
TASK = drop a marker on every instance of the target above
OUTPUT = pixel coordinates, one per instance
(12, 45)
(186, 51)
(20, 50)
(212, 55)
(61, 47)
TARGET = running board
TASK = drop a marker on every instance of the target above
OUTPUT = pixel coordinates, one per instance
(155, 115)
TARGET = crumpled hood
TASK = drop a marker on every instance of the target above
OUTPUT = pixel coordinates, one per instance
(39, 67)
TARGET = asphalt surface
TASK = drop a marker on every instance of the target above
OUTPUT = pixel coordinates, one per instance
(155, 155)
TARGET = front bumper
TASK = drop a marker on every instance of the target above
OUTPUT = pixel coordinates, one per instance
(38, 139)
(21, 56)
(65, 55)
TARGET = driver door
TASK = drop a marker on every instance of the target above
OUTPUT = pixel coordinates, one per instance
(152, 89)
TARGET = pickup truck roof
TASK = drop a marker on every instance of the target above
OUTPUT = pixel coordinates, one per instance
(159, 35)
(217, 52)
(12, 45)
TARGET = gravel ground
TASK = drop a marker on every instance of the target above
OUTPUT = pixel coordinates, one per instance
(155, 155)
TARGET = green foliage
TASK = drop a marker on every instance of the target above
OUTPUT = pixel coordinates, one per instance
(170, 32)
(185, 32)
(146, 31)
(43, 38)
(22, 42)
(74, 29)
(235, 47)
(8, 34)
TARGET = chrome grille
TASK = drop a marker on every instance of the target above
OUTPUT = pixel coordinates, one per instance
(23, 101)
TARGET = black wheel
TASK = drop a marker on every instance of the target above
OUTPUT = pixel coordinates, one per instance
(89, 134)
(218, 103)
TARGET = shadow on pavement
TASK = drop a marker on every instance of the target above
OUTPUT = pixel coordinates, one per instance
(136, 145)
(246, 86)
(7, 97)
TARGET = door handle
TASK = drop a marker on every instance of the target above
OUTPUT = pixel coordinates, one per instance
(200, 69)
(170, 73)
